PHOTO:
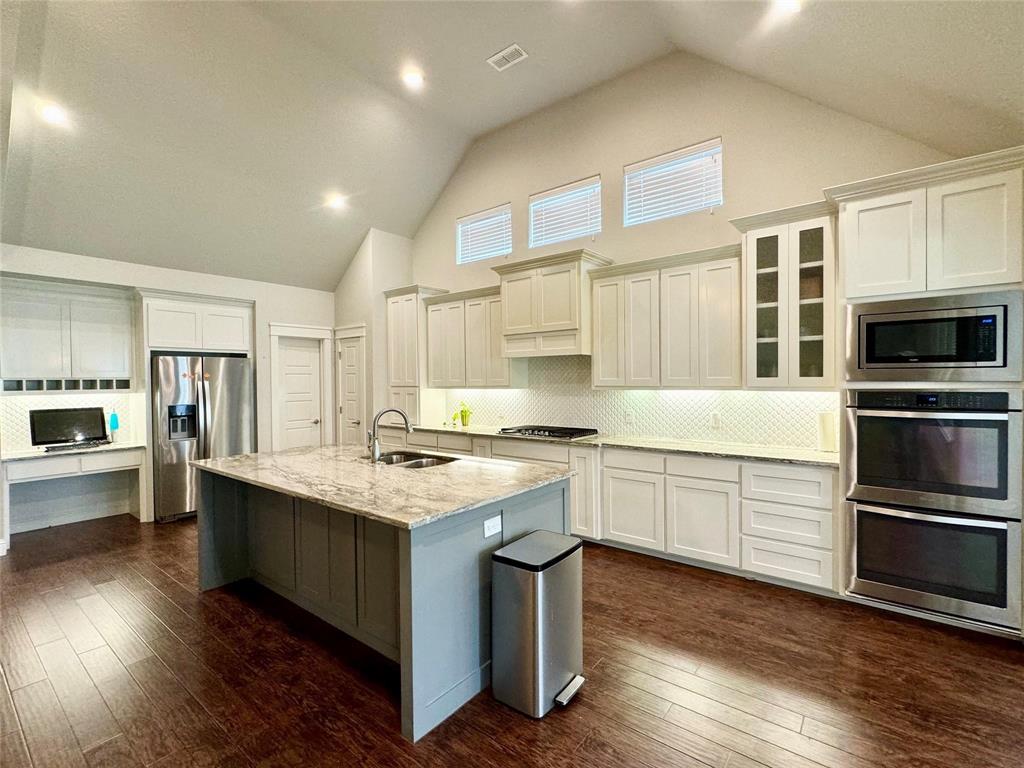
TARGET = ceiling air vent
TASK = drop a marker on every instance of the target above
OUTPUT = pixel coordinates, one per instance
(502, 60)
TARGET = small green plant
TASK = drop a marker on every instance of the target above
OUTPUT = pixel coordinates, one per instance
(464, 414)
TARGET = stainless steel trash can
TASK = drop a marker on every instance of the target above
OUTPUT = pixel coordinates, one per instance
(537, 622)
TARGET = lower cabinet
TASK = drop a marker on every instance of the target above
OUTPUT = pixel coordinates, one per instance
(272, 537)
(703, 520)
(377, 580)
(634, 507)
(584, 489)
(788, 561)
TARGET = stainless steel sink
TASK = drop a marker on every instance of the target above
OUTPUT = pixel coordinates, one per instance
(411, 460)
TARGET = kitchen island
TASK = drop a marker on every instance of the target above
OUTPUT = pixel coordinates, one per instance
(397, 557)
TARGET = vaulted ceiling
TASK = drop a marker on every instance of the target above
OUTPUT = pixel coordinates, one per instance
(205, 136)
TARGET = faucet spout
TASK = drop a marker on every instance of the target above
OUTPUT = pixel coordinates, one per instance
(372, 439)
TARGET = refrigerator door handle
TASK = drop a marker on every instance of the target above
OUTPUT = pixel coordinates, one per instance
(207, 419)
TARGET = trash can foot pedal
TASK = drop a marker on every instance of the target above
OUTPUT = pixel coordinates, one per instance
(566, 694)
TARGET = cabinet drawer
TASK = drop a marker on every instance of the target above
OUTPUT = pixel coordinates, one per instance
(112, 460)
(527, 451)
(642, 461)
(725, 470)
(788, 484)
(391, 438)
(543, 344)
(781, 522)
(421, 439)
(458, 443)
(787, 561)
(48, 467)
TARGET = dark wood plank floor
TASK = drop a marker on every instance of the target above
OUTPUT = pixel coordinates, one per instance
(111, 657)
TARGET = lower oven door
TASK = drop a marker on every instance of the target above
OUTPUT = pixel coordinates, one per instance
(961, 566)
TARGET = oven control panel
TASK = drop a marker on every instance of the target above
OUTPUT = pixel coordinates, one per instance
(938, 401)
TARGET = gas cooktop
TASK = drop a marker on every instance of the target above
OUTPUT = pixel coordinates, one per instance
(559, 433)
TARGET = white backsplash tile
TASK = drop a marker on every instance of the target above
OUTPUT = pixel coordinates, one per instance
(560, 394)
(14, 424)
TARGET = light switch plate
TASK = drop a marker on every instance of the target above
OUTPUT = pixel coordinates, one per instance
(492, 525)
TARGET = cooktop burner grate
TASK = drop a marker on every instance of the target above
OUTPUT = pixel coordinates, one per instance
(560, 433)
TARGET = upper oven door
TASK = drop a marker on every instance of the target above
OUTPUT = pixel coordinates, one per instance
(957, 462)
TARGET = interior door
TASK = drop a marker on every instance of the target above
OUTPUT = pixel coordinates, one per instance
(298, 393)
(351, 390)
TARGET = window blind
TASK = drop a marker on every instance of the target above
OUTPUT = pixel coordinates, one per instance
(484, 235)
(679, 182)
(566, 212)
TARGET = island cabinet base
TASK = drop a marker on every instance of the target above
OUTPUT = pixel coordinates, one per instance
(419, 596)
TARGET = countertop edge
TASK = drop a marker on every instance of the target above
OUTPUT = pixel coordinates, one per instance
(24, 456)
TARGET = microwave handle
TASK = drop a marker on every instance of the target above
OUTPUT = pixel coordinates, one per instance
(965, 522)
(935, 415)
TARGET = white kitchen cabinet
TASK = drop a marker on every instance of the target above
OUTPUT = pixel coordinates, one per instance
(791, 562)
(633, 507)
(789, 523)
(584, 487)
(406, 399)
(36, 342)
(608, 363)
(703, 520)
(402, 345)
(974, 231)
(187, 325)
(719, 324)
(455, 443)
(948, 226)
(680, 299)
(546, 305)
(464, 343)
(790, 304)
(101, 339)
(626, 330)
(788, 484)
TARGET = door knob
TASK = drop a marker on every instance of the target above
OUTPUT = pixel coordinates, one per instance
(316, 421)
(357, 422)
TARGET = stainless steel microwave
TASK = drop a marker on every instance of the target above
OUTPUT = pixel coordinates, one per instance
(968, 337)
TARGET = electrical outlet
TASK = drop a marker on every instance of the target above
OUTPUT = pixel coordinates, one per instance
(628, 419)
(716, 420)
(492, 525)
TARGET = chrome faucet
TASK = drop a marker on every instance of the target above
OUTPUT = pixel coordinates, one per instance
(372, 441)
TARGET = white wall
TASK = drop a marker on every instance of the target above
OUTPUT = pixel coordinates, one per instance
(779, 150)
(383, 261)
(272, 303)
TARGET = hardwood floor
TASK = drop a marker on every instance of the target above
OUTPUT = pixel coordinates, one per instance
(111, 657)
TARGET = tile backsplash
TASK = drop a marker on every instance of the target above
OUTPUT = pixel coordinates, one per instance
(560, 394)
(14, 425)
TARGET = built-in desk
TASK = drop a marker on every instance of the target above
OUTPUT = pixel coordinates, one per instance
(35, 465)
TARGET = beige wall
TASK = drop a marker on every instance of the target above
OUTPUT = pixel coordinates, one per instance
(779, 150)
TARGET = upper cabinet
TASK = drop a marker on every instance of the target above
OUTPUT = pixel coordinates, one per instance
(546, 304)
(57, 332)
(948, 226)
(173, 324)
(464, 342)
(672, 322)
(789, 268)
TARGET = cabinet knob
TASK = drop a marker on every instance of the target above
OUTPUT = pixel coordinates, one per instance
(316, 421)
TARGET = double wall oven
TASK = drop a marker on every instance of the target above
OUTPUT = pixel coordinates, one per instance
(934, 476)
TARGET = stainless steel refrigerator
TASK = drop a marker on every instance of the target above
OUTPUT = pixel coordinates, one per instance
(202, 409)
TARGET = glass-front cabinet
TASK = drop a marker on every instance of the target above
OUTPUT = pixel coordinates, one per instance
(790, 295)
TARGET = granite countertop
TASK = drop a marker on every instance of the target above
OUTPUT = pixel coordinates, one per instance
(39, 453)
(344, 478)
(787, 454)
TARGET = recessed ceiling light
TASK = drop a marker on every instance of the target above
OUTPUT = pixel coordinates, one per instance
(413, 78)
(54, 114)
(335, 201)
(787, 7)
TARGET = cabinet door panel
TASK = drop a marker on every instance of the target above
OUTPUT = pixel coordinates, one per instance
(395, 345)
(609, 345)
(226, 328)
(811, 327)
(633, 507)
(679, 327)
(643, 360)
(558, 297)
(436, 342)
(519, 302)
(719, 323)
(312, 550)
(499, 368)
(767, 294)
(341, 545)
(703, 520)
(884, 244)
(272, 517)
(454, 323)
(101, 339)
(974, 231)
(34, 342)
(408, 317)
(377, 556)
(584, 519)
(478, 363)
(174, 325)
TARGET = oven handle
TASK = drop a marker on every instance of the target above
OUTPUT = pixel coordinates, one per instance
(934, 518)
(940, 415)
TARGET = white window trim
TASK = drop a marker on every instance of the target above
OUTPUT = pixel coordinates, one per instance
(664, 159)
(561, 190)
(474, 217)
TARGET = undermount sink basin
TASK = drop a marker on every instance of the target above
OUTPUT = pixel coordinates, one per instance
(414, 460)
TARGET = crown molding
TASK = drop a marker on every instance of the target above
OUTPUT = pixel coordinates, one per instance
(990, 162)
(474, 293)
(423, 290)
(579, 254)
(666, 262)
(803, 212)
